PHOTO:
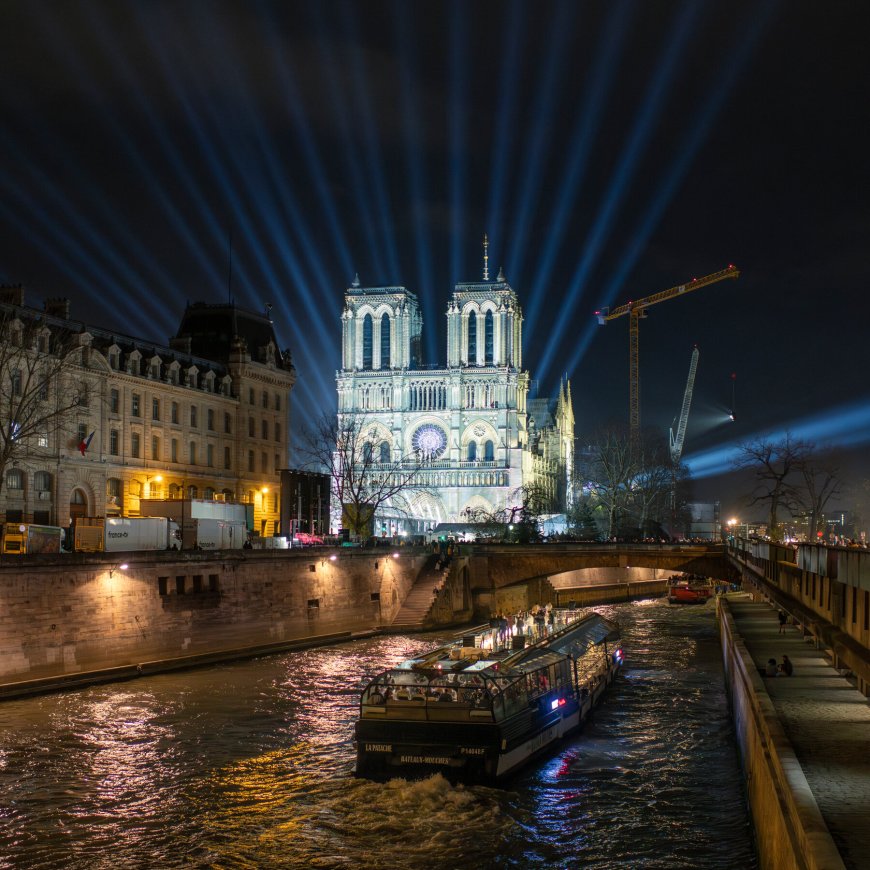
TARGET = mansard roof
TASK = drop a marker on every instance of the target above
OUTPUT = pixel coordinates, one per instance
(213, 330)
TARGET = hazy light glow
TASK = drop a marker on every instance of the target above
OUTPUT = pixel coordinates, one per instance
(847, 426)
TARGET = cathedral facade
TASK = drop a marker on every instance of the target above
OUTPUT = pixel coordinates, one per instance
(480, 440)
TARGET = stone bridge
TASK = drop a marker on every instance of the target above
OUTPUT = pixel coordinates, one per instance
(492, 567)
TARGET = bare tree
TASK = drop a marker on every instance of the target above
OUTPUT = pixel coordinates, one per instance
(609, 465)
(40, 387)
(774, 465)
(822, 482)
(363, 478)
(652, 485)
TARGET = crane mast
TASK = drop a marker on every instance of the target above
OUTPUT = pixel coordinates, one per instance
(676, 442)
(636, 310)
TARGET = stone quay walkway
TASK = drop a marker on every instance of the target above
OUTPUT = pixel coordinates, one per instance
(826, 720)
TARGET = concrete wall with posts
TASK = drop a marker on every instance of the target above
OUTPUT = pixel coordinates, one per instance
(82, 614)
(824, 590)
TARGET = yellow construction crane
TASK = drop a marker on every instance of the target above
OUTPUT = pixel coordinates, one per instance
(636, 310)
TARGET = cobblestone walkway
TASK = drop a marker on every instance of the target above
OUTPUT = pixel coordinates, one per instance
(827, 722)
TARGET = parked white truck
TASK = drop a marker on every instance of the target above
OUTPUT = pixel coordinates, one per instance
(125, 534)
(208, 534)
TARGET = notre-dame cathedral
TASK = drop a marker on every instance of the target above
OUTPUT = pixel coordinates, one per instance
(483, 440)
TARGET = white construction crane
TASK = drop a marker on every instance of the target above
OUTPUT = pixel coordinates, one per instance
(676, 442)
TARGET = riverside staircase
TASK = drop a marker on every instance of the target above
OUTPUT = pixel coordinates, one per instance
(424, 593)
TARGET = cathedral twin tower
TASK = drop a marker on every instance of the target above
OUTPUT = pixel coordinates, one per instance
(470, 421)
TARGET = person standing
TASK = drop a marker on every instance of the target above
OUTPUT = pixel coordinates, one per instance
(783, 619)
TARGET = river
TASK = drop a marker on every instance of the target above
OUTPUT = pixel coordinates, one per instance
(248, 765)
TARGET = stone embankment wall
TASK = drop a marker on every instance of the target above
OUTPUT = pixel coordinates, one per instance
(790, 832)
(86, 613)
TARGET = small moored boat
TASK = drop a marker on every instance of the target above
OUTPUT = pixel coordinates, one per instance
(689, 590)
(478, 709)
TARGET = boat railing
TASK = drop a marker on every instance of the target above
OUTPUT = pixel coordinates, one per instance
(497, 638)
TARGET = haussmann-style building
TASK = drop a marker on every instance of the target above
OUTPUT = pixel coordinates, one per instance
(204, 416)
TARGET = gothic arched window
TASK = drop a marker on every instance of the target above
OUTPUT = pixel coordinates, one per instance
(367, 342)
(472, 338)
(385, 341)
(367, 452)
(489, 451)
(472, 451)
(385, 452)
(487, 338)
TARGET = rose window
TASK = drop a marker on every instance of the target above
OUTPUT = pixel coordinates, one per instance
(429, 441)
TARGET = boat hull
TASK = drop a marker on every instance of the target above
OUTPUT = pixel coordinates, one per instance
(486, 753)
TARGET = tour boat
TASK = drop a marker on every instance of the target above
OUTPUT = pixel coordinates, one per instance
(689, 590)
(478, 709)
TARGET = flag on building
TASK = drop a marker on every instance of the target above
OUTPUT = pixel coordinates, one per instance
(85, 443)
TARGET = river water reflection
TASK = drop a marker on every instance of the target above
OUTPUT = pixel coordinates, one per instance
(249, 765)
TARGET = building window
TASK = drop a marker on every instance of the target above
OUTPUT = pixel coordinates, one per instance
(114, 401)
(174, 412)
(42, 439)
(82, 432)
(193, 422)
(472, 338)
(134, 445)
(251, 425)
(227, 456)
(42, 481)
(265, 399)
(367, 342)
(210, 419)
(264, 429)
(155, 447)
(114, 442)
(264, 463)
(228, 425)
(209, 456)
(385, 341)
(192, 453)
(487, 338)
(251, 399)
(385, 452)
(16, 382)
(113, 492)
(489, 451)
(277, 402)
(277, 431)
(43, 391)
(250, 460)
(367, 452)
(175, 450)
(15, 479)
(155, 409)
(472, 451)
(277, 463)
(134, 404)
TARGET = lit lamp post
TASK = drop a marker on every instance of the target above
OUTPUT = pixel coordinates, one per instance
(264, 491)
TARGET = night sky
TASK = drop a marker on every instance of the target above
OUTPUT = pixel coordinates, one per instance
(610, 150)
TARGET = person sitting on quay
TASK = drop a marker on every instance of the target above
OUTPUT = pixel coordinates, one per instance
(786, 669)
(770, 670)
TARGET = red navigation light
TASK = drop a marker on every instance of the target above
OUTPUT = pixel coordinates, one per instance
(561, 702)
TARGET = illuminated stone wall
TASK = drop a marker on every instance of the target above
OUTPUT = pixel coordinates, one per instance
(87, 614)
